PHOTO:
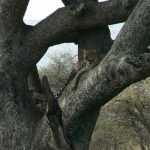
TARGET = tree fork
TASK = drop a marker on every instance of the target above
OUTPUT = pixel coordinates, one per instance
(99, 40)
(108, 74)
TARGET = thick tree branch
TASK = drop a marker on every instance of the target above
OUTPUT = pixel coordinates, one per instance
(62, 26)
(11, 29)
(14, 16)
(122, 66)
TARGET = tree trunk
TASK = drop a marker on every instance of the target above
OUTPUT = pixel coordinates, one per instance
(19, 121)
(96, 39)
(22, 126)
(99, 41)
(114, 71)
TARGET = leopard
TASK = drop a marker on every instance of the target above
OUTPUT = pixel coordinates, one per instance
(90, 60)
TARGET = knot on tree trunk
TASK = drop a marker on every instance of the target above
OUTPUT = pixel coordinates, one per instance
(135, 65)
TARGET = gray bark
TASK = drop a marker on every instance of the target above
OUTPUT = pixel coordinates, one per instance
(62, 26)
(98, 40)
(22, 126)
(119, 69)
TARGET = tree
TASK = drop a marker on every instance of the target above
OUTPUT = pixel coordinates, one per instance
(22, 125)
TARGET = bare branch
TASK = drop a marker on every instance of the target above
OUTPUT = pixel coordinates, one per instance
(62, 26)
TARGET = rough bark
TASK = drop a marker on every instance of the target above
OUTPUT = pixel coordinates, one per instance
(22, 126)
(99, 41)
(124, 64)
(62, 26)
(21, 46)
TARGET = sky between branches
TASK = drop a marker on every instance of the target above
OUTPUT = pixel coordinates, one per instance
(39, 9)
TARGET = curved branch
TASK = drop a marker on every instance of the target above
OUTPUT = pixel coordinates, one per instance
(122, 66)
(62, 26)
